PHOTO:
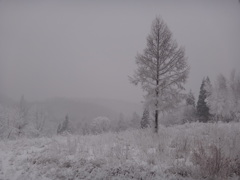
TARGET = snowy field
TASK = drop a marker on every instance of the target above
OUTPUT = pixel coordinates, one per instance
(190, 151)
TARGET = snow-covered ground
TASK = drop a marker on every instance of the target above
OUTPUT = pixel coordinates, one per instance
(190, 151)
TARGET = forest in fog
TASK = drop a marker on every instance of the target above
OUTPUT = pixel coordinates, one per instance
(117, 90)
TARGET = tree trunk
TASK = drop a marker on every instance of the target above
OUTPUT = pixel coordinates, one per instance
(157, 84)
(156, 122)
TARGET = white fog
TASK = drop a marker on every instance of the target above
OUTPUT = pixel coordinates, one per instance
(119, 89)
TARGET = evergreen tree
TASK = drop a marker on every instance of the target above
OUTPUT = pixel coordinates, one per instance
(64, 127)
(145, 119)
(208, 86)
(190, 99)
(202, 108)
(135, 121)
(59, 128)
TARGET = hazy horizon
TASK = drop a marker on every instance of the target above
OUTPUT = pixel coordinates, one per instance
(82, 49)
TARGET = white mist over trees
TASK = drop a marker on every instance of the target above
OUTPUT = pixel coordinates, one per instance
(224, 98)
(162, 69)
(88, 128)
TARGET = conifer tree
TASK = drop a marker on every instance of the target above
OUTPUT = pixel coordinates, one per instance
(145, 119)
(190, 99)
(64, 127)
(202, 108)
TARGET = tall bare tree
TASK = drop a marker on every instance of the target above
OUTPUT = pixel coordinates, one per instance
(162, 69)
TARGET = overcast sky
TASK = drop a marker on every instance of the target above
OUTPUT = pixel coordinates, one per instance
(88, 48)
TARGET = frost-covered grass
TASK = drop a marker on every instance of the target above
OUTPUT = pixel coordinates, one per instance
(190, 151)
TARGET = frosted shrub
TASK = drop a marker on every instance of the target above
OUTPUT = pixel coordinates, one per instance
(211, 162)
(208, 151)
(100, 125)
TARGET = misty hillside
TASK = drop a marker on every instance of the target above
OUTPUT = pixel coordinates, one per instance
(6, 101)
(88, 109)
(119, 106)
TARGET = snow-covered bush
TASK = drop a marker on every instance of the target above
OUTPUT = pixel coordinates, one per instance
(12, 124)
(182, 114)
(38, 116)
(213, 151)
(100, 125)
